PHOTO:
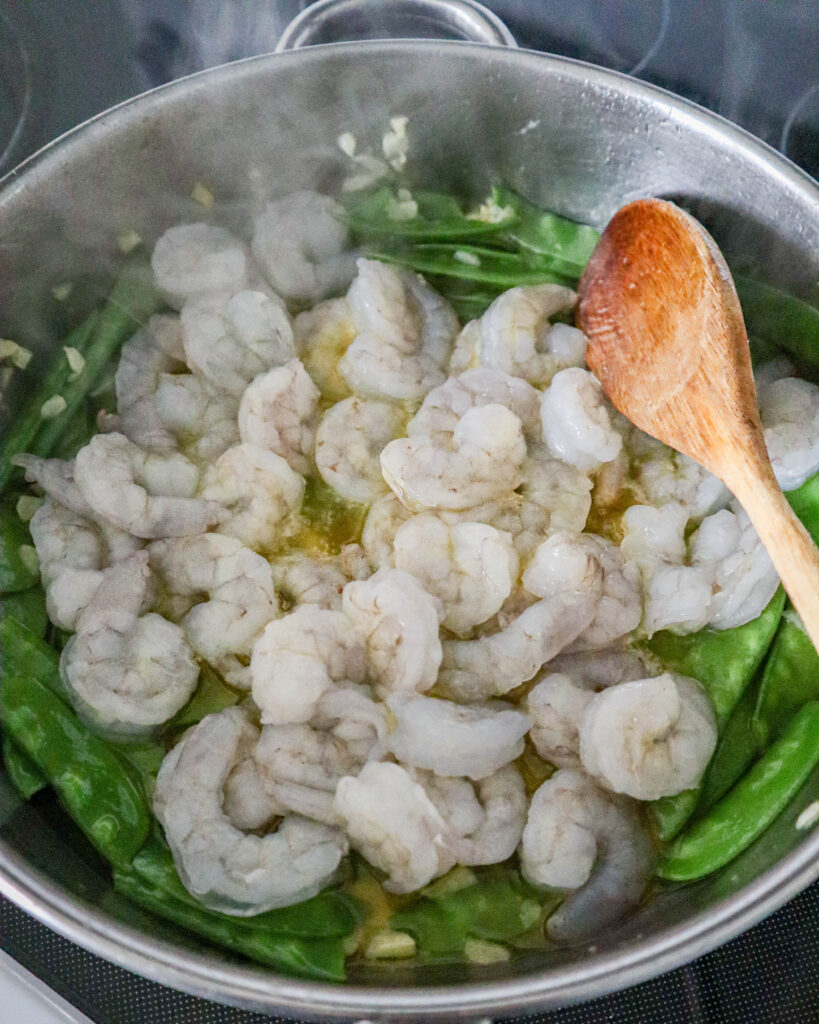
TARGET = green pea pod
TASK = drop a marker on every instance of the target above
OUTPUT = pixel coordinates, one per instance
(565, 245)
(724, 661)
(751, 806)
(78, 432)
(24, 653)
(473, 263)
(805, 503)
(790, 679)
(469, 299)
(132, 300)
(335, 520)
(780, 318)
(145, 760)
(498, 906)
(328, 915)
(25, 776)
(91, 780)
(736, 751)
(28, 606)
(211, 695)
(439, 217)
(18, 559)
(319, 958)
(19, 437)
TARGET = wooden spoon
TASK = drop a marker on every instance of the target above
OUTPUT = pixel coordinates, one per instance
(667, 341)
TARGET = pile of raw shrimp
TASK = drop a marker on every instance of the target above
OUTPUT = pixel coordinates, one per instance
(520, 536)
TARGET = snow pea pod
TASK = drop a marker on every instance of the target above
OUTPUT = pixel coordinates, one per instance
(330, 914)
(28, 606)
(780, 318)
(320, 958)
(132, 300)
(805, 503)
(473, 263)
(497, 906)
(25, 776)
(751, 806)
(91, 780)
(439, 217)
(24, 653)
(790, 679)
(724, 661)
(19, 437)
(736, 750)
(19, 569)
(565, 245)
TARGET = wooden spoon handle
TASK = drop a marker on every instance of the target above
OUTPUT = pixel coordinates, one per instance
(789, 544)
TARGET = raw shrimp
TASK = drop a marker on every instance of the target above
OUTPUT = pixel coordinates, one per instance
(445, 405)
(598, 669)
(323, 335)
(240, 597)
(257, 490)
(577, 424)
(229, 339)
(380, 527)
(466, 351)
(456, 739)
(482, 462)
(620, 608)
(300, 242)
(394, 825)
(578, 836)
(569, 580)
(146, 494)
(399, 621)
(406, 331)
(56, 477)
(563, 490)
(654, 535)
(225, 868)
(302, 579)
(470, 567)
(142, 364)
(665, 475)
(73, 550)
(744, 578)
(650, 737)
(278, 412)
(301, 765)
(125, 670)
(249, 801)
(70, 552)
(486, 818)
(556, 705)
(676, 596)
(349, 439)
(351, 715)
(789, 409)
(194, 260)
(203, 422)
(301, 656)
(516, 336)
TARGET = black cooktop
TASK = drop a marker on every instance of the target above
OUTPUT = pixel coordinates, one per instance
(755, 62)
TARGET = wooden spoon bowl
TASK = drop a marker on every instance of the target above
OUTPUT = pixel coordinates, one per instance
(667, 341)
